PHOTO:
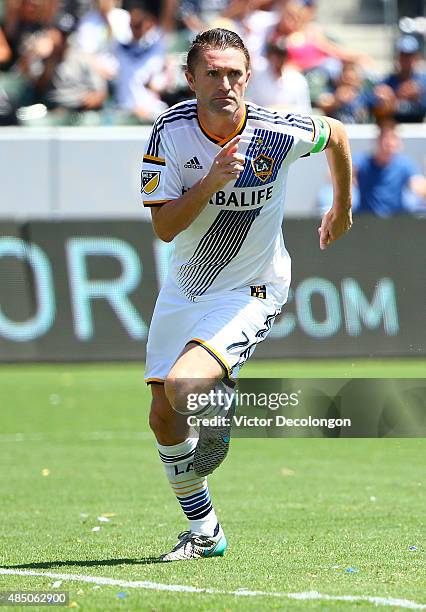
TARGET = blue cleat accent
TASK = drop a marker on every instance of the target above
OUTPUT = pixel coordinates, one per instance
(219, 549)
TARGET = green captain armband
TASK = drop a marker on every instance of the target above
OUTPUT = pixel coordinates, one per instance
(324, 134)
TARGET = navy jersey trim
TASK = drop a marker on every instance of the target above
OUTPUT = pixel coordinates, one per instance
(260, 334)
(154, 143)
(179, 111)
(216, 249)
(301, 121)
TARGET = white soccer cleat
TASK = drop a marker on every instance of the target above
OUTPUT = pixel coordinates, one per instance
(197, 546)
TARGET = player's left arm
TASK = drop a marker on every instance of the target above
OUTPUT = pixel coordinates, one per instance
(338, 220)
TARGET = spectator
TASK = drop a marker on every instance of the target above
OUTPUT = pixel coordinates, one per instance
(164, 10)
(308, 47)
(68, 79)
(402, 95)
(5, 50)
(252, 24)
(24, 19)
(103, 23)
(99, 29)
(190, 16)
(198, 14)
(140, 67)
(278, 84)
(7, 116)
(348, 102)
(388, 181)
(77, 8)
(22, 41)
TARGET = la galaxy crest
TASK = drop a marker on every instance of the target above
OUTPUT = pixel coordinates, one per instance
(262, 167)
(266, 151)
(150, 180)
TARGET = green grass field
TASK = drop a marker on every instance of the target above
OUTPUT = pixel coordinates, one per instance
(298, 513)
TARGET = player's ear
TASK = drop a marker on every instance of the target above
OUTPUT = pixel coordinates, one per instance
(248, 76)
(190, 79)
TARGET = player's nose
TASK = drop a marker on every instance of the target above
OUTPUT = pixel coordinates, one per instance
(224, 84)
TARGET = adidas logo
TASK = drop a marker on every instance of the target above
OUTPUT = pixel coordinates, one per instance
(194, 164)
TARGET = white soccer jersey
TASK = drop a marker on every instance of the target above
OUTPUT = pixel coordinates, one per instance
(236, 240)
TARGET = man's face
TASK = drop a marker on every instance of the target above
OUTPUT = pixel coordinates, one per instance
(277, 60)
(219, 80)
(140, 23)
(30, 10)
(388, 145)
(350, 76)
(407, 61)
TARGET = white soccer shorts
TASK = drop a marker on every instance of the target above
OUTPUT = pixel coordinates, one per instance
(229, 327)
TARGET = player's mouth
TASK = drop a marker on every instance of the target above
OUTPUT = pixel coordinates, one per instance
(224, 101)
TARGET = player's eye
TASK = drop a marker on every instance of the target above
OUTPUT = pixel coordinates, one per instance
(212, 73)
(236, 73)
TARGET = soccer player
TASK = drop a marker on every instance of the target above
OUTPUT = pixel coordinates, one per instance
(214, 174)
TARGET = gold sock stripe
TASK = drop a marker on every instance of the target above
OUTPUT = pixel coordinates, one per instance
(193, 490)
(185, 481)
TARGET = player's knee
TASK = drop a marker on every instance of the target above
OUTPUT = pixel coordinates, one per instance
(181, 391)
(176, 390)
(169, 388)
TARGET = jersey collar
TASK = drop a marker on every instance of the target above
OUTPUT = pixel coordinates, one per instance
(222, 141)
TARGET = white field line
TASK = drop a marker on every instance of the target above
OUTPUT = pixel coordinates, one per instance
(78, 435)
(156, 586)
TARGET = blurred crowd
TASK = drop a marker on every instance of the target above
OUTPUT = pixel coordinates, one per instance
(120, 62)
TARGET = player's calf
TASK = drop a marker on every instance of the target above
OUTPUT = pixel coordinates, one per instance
(169, 427)
(209, 406)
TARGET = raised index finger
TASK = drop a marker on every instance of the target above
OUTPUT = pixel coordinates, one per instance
(232, 144)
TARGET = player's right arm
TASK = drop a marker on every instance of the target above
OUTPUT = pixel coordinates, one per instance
(174, 216)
